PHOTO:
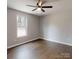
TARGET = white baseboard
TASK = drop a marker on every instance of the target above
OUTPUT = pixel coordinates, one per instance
(21, 43)
(58, 42)
(36, 39)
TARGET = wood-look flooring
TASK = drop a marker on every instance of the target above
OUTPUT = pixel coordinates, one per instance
(40, 49)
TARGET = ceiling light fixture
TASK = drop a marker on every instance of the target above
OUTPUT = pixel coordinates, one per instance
(39, 6)
(39, 9)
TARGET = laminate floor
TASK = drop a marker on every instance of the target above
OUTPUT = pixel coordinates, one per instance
(40, 49)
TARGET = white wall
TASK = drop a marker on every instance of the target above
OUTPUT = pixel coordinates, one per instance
(32, 31)
(57, 27)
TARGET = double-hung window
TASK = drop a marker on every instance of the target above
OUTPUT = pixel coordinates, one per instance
(21, 26)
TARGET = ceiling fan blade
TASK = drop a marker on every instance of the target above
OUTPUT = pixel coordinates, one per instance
(34, 9)
(47, 6)
(31, 6)
(42, 10)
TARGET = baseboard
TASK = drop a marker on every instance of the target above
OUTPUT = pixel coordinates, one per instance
(58, 42)
(37, 39)
(22, 43)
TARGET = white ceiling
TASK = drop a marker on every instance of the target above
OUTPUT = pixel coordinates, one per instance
(58, 5)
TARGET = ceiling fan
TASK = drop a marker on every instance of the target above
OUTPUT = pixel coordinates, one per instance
(39, 6)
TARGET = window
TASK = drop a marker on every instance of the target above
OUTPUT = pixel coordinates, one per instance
(21, 26)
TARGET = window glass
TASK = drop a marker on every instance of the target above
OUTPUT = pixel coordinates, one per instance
(21, 26)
